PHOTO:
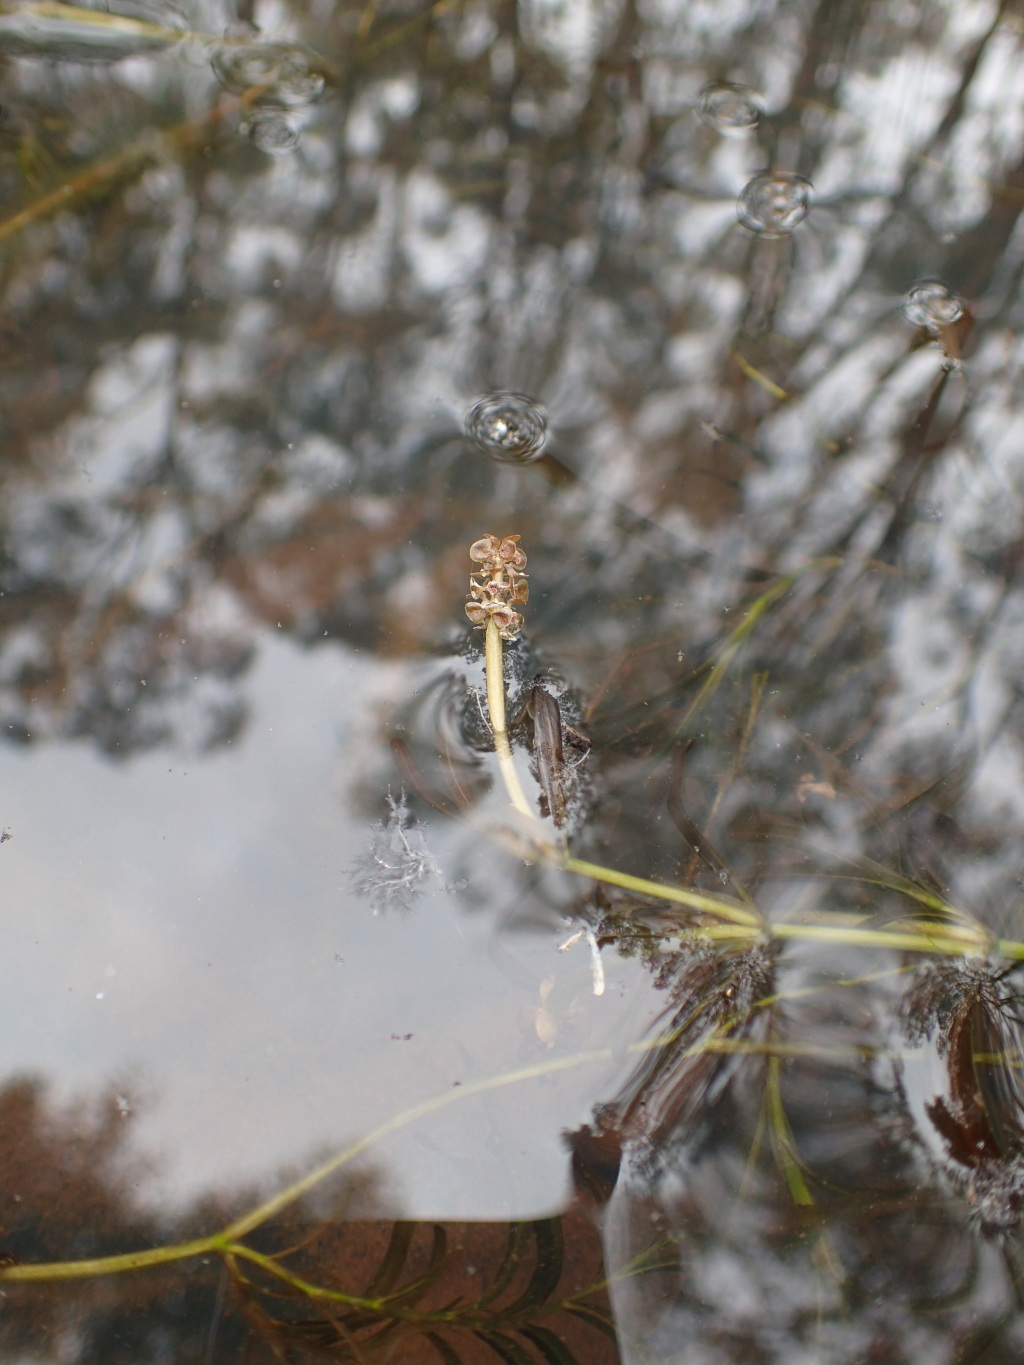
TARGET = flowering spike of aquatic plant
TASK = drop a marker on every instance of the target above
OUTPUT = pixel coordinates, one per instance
(499, 585)
(494, 592)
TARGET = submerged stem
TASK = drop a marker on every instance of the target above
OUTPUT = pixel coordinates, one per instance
(114, 1265)
(696, 900)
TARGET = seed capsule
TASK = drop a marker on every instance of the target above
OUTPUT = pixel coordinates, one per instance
(499, 585)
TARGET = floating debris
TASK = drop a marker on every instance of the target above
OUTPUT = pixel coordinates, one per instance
(730, 108)
(596, 965)
(932, 305)
(392, 871)
(510, 425)
(773, 203)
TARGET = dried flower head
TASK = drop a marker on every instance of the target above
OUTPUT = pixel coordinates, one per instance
(499, 586)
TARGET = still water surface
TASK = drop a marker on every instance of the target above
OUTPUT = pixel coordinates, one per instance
(710, 1052)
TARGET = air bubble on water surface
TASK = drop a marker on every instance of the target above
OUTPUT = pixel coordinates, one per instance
(773, 203)
(729, 108)
(273, 134)
(275, 75)
(932, 305)
(510, 425)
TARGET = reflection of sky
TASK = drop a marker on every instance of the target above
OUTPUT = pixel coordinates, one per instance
(177, 927)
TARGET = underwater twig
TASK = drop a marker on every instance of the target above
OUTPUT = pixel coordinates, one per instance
(153, 145)
(694, 836)
(759, 378)
(403, 31)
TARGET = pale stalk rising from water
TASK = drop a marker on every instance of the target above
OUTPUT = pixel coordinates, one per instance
(496, 706)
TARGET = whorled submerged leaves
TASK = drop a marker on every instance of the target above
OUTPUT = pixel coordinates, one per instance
(672, 1095)
(943, 993)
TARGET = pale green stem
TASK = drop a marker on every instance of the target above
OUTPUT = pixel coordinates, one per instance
(496, 706)
(895, 940)
(113, 1265)
(712, 905)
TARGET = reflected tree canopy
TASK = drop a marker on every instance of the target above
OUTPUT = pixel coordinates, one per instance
(717, 307)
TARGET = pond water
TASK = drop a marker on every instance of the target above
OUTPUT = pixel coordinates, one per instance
(679, 1020)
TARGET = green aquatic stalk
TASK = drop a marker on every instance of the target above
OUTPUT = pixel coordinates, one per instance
(115, 1265)
(695, 900)
(496, 706)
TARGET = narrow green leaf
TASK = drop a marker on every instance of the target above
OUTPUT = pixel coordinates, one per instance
(390, 1267)
(443, 1348)
(594, 1317)
(507, 1350)
(552, 1348)
(515, 1252)
(547, 1271)
(415, 1289)
(783, 1142)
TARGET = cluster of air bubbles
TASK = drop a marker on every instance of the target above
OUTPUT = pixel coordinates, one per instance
(932, 305)
(773, 203)
(729, 108)
(272, 133)
(510, 425)
(270, 75)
